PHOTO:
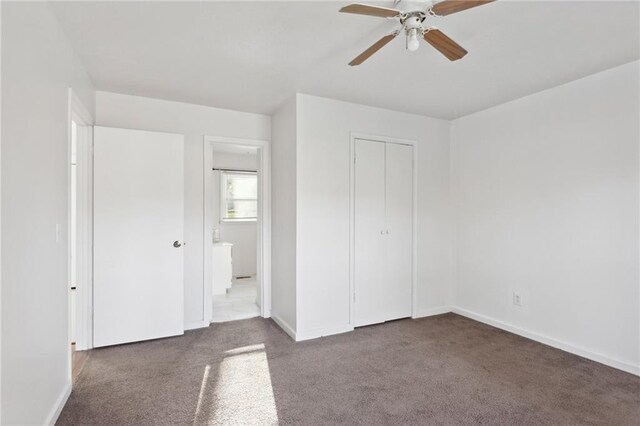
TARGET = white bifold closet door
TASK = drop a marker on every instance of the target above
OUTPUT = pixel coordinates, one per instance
(138, 232)
(383, 231)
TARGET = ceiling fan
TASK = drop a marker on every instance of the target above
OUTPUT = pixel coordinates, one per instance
(412, 18)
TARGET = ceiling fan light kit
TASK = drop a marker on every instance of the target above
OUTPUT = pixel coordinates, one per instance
(412, 40)
(411, 16)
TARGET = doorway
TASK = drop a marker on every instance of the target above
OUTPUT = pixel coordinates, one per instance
(236, 229)
(79, 232)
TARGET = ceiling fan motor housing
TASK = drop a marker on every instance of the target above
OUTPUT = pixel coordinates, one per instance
(413, 21)
(414, 14)
(414, 5)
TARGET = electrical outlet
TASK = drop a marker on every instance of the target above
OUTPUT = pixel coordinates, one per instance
(517, 299)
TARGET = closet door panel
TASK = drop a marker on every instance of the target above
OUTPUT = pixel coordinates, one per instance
(369, 205)
(399, 224)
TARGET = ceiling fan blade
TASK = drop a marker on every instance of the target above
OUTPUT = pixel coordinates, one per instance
(449, 48)
(363, 9)
(373, 49)
(447, 7)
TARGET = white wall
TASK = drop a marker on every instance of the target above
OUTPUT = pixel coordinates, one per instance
(323, 166)
(243, 235)
(193, 121)
(284, 216)
(547, 202)
(0, 222)
(38, 67)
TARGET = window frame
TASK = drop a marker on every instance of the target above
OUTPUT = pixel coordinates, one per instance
(223, 196)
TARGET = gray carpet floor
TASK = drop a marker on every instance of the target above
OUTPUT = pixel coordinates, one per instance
(440, 370)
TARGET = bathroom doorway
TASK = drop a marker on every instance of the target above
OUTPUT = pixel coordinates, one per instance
(235, 229)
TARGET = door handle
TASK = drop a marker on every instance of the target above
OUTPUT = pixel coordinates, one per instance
(177, 244)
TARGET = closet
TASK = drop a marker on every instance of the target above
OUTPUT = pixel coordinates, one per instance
(383, 231)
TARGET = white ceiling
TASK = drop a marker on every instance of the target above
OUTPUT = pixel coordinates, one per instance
(250, 56)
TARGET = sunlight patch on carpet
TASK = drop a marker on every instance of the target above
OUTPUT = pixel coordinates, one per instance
(203, 387)
(243, 393)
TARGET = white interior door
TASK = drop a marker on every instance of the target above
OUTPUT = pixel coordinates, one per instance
(369, 250)
(138, 215)
(399, 231)
(383, 231)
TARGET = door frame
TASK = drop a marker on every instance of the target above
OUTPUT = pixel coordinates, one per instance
(78, 113)
(263, 223)
(352, 186)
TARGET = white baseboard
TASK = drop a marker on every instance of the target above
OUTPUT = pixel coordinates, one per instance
(428, 312)
(550, 341)
(300, 336)
(320, 332)
(284, 326)
(53, 415)
(196, 324)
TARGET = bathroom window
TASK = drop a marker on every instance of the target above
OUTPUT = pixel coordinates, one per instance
(239, 196)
